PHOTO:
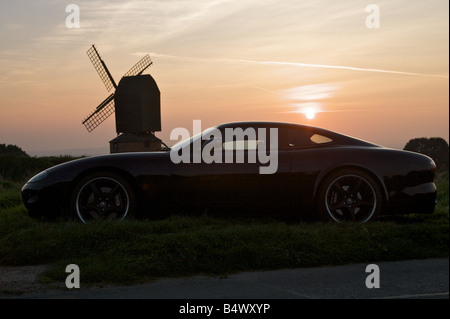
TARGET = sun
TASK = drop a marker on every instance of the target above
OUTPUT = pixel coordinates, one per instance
(310, 114)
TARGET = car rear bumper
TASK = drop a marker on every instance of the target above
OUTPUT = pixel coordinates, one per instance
(419, 199)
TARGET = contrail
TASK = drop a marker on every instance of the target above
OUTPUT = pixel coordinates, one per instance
(339, 67)
(308, 65)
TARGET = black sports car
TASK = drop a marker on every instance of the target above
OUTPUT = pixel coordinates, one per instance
(258, 167)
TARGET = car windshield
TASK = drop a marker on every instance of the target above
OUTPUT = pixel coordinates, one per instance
(190, 140)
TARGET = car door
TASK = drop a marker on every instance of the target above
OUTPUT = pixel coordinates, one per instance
(307, 156)
(235, 175)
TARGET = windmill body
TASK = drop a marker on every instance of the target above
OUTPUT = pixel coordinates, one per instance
(137, 101)
(137, 104)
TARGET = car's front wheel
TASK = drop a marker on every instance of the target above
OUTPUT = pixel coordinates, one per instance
(102, 196)
(349, 195)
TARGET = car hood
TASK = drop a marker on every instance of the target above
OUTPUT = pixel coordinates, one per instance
(129, 162)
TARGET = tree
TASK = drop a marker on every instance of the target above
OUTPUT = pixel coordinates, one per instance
(435, 147)
(12, 150)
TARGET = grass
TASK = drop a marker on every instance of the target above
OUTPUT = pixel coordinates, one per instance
(141, 250)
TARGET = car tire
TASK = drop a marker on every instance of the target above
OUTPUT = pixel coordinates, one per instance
(102, 196)
(349, 195)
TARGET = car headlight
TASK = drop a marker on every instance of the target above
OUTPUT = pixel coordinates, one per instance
(38, 177)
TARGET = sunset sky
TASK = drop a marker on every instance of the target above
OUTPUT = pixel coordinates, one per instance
(228, 60)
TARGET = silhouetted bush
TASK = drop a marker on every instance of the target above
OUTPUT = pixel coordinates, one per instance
(434, 147)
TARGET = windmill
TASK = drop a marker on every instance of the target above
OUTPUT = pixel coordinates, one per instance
(136, 102)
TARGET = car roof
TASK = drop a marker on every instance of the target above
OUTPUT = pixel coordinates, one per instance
(337, 137)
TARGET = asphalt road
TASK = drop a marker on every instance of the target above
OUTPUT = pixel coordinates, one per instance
(421, 279)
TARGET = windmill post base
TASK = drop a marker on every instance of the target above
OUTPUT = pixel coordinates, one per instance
(135, 142)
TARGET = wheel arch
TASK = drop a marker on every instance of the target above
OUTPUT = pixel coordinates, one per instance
(114, 170)
(110, 169)
(322, 178)
(120, 173)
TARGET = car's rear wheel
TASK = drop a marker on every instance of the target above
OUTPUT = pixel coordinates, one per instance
(349, 195)
(102, 196)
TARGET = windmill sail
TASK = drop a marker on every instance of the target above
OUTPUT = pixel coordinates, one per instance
(140, 67)
(101, 68)
(101, 113)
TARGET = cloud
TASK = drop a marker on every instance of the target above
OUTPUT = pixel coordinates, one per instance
(14, 26)
(310, 92)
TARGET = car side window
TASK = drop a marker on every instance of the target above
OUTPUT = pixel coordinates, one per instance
(241, 145)
(320, 139)
(249, 138)
(298, 138)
